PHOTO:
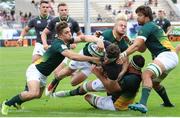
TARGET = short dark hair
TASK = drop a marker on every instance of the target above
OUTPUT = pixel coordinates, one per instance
(62, 25)
(44, 1)
(61, 4)
(137, 62)
(112, 51)
(146, 10)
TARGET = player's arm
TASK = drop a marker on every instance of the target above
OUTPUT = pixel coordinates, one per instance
(74, 56)
(124, 68)
(79, 33)
(169, 29)
(110, 85)
(23, 33)
(44, 38)
(133, 48)
(90, 38)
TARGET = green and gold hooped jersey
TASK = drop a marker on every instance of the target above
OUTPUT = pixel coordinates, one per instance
(155, 38)
(51, 58)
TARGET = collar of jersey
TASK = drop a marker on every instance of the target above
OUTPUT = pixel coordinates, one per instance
(66, 20)
(41, 17)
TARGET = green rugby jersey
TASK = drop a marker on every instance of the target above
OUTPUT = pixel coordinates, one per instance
(108, 36)
(51, 58)
(39, 23)
(163, 23)
(155, 38)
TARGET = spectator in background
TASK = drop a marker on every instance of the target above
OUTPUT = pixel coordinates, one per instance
(25, 20)
(99, 18)
(29, 15)
(20, 13)
(12, 12)
(33, 2)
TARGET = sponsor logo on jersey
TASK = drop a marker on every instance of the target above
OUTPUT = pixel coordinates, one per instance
(38, 22)
(64, 46)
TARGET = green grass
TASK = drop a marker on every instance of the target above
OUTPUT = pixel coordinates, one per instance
(13, 64)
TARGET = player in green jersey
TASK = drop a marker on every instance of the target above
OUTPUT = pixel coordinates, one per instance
(38, 71)
(154, 38)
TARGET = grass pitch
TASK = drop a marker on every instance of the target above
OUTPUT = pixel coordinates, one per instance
(14, 62)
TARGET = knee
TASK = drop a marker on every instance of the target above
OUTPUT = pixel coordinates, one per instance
(145, 75)
(34, 94)
(87, 97)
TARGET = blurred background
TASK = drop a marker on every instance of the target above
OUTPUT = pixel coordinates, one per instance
(15, 14)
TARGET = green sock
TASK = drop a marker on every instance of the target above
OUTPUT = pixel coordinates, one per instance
(162, 93)
(145, 94)
(14, 100)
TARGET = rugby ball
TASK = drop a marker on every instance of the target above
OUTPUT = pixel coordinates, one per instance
(93, 50)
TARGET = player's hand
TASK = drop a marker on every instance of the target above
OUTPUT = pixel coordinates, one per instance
(96, 60)
(119, 77)
(20, 41)
(97, 70)
(46, 47)
(98, 33)
(72, 46)
(122, 58)
(100, 45)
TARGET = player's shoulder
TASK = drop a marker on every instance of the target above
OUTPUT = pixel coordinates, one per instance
(55, 19)
(51, 17)
(107, 32)
(72, 20)
(57, 43)
(35, 18)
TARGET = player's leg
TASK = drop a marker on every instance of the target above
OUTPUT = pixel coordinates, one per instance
(160, 89)
(178, 48)
(60, 75)
(37, 52)
(85, 71)
(77, 78)
(91, 86)
(104, 103)
(56, 80)
(33, 84)
(166, 61)
(153, 70)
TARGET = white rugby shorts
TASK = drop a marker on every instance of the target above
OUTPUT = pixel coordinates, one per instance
(168, 59)
(32, 73)
(38, 49)
(84, 66)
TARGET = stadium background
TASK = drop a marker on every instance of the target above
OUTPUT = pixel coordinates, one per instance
(101, 12)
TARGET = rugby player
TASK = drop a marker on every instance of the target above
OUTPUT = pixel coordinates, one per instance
(155, 39)
(38, 71)
(38, 23)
